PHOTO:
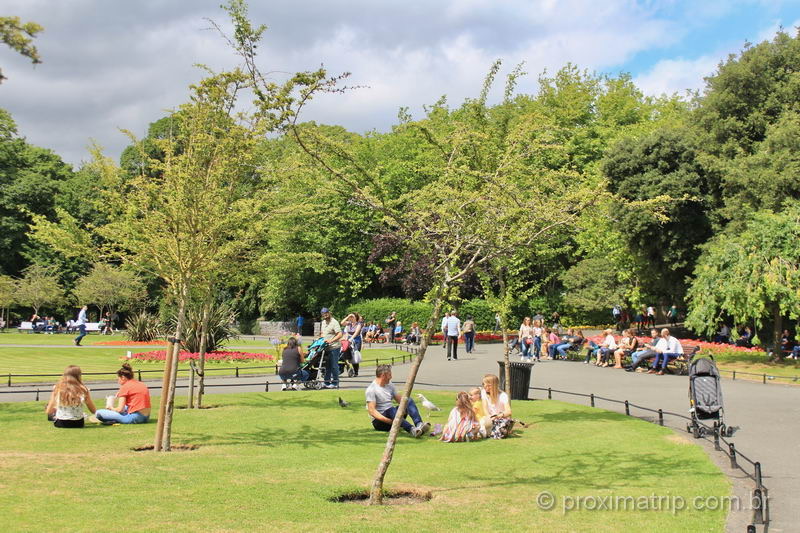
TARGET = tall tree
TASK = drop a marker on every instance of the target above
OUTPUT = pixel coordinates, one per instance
(39, 287)
(110, 288)
(751, 276)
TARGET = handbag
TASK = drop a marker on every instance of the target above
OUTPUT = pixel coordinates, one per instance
(356, 356)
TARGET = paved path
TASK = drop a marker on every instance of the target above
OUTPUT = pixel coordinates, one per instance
(767, 414)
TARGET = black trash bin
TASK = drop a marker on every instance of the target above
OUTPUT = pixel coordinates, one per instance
(520, 379)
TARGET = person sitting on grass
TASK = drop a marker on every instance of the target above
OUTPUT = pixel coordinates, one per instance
(65, 408)
(480, 414)
(133, 406)
(380, 395)
(667, 347)
(461, 424)
(496, 405)
(290, 370)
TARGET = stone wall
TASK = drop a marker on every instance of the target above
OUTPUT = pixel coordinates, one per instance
(274, 329)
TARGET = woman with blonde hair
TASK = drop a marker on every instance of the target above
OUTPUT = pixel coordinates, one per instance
(525, 338)
(65, 407)
(498, 422)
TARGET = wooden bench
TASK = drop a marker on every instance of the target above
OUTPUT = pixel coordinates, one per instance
(680, 365)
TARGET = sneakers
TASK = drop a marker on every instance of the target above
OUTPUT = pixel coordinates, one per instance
(283, 387)
(294, 386)
(93, 419)
(424, 427)
(415, 432)
(331, 386)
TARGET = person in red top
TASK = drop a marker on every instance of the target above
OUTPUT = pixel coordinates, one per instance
(133, 405)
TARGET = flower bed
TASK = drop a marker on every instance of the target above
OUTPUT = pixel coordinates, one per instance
(211, 357)
(130, 343)
(713, 347)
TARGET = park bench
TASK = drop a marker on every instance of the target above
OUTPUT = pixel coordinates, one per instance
(680, 365)
(92, 327)
(25, 326)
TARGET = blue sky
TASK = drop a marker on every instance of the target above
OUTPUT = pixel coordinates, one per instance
(121, 65)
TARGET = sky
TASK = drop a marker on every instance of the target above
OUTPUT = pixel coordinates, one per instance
(112, 65)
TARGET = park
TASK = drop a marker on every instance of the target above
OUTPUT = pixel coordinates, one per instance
(568, 302)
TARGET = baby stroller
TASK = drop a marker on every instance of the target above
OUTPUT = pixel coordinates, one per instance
(315, 364)
(705, 397)
(346, 359)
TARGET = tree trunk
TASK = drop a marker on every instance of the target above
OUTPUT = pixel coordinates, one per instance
(162, 405)
(202, 356)
(504, 328)
(376, 492)
(777, 329)
(173, 376)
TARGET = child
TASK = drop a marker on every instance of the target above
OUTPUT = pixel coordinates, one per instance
(461, 425)
(480, 413)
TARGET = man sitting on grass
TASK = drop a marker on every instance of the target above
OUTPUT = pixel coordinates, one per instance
(380, 395)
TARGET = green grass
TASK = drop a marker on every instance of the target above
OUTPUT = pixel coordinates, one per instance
(756, 363)
(53, 360)
(270, 461)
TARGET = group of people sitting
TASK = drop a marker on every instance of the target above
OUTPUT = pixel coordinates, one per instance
(70, 394)
(533, 340)
(480, 413)
(659, 350)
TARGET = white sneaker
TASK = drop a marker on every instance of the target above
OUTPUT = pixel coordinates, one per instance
(424, 427)
(283, 387)
(415, 432)
(294, 386)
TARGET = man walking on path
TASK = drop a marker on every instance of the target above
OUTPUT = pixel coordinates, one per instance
(331, 331)
(81, 325)
(453, 332)
(300, 321)
(380, 395)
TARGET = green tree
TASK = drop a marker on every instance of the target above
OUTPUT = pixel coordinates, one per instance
(110, 288)
(751, 276)
(19, 36)
(39, 287)
(8, 289)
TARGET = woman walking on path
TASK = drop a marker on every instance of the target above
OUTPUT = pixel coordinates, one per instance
(469, 334)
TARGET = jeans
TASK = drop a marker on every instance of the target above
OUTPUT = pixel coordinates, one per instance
(469, 341)
(300, 375)
(526, 348)
(537, 347)
(332, 366)
(664, 359)
(411, 409)
(110, 416)
(452, 346)
(562, 349)
(81, 334)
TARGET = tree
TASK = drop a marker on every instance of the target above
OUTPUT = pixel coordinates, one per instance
(110, 288)
(8, 289)
(751, 276)
(39, 287)
(19, 36)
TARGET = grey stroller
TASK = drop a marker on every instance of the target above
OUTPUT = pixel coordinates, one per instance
(705, 398)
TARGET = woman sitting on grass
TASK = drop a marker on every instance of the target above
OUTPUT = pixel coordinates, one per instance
(496, 405)
(65, 407)
(462, 424)
(133, 406)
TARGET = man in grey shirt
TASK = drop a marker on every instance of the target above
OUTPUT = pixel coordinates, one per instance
(380, 397)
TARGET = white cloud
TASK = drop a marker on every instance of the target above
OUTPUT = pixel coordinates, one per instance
(671, 76)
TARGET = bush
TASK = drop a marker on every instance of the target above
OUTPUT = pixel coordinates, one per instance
(220, 327)
(481, 313)
(143, 327)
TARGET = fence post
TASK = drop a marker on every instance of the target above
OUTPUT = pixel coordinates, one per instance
(140, 374)
(758, 506)
(37, 395)
(9, 379)
(591, 399)
(376, 362)
(266, 386)
(549, 393)
(734, 375)
(627, 408)
(392, 361)
(732, 453)
(758, 474)
(237, 371)
(764, 379)
(660, 417)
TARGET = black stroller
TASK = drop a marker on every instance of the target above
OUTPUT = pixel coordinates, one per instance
(705, 398)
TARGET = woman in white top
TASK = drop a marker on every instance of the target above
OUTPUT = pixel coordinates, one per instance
(526, 338)
(538, 333)
(607, 348)
(65, 407)
(497, 422)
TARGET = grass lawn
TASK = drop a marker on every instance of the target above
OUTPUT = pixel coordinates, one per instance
(270, 461)
(53, 360)
(757, 364)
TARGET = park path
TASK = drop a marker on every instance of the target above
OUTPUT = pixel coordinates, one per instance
(766, 414)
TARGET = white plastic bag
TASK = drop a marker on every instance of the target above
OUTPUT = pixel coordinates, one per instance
(109, 402)
(356, 356)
